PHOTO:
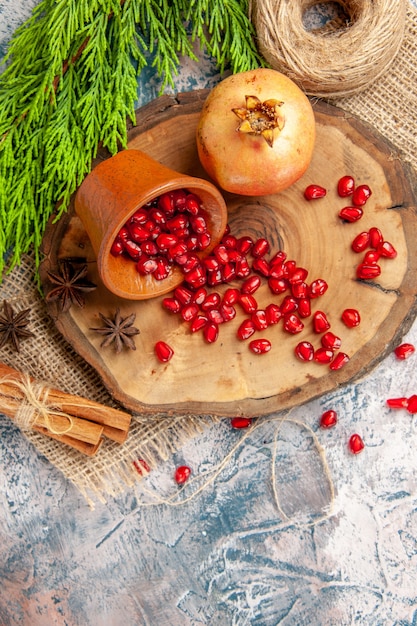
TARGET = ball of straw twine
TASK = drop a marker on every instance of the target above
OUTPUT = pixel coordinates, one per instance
(339, 59)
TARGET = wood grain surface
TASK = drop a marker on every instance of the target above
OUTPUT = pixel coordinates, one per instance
(225, 378)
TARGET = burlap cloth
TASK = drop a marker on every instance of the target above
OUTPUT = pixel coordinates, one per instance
(389, 105)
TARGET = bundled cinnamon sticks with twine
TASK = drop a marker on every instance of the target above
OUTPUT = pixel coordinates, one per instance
(78, 422)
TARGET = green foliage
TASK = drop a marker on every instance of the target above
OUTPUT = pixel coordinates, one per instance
(70, 83)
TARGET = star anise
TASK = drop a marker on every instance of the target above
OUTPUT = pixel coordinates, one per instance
(70, 286)
(13, 326)
(119, 330)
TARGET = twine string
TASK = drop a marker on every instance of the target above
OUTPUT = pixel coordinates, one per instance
(210, 475)
(33, 404)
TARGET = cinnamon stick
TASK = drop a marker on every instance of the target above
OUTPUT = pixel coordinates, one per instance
(62, 416)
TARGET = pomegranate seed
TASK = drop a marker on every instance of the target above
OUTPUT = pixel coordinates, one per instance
(228, 272)
(356, 444)
(261, 265)
(351, 318)
(215, 316)
(292, 324)
(191, 204)
(412, 404)
(242, 268)
(145, 265)
(320, 322)
(375, 237)
(141, 466)
(149, 247)
(199, 296)
(203, 240)
(183, 295)
(215, 278)
(182, 474)
(211, 263)
(289, 305)
(171, 304)
(328, 419)
(198, 323)
(211, 332)
(251, 284)
(133, 249)
(259, 319)
(368, 272)
(304, 307)
(300, 290)
(313, 192)
(198, 224)
(163, 351)
(387, 250)
(197, 277)
(244, 245)
(192, 262)
(231, 296)
(351, 213)
(240, 422)
(323, 355)
(260, 247)
(260, 346)
(166, 203)
(248, 303)
(211, 302)
(246, 329)
(273, 314)
(404, 350)
(277, 270)
(228, 312)
(279, 257)
(139, 217)
(346, 186)
(318, 288)
(330, 341)
(158, 217)
(230, 241)
(298, 275)
(397, 403)
(189, 312)
(221, 253)
(117, 247)
(371, 257)
(278, 285)
(361, 242)
(163, 269)
(178, 222)
(304, 351)
(361, 195)
(339, 361)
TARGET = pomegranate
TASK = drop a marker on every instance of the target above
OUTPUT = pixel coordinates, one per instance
(256, 133)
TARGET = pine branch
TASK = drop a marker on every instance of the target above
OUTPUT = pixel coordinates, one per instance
(70, 84)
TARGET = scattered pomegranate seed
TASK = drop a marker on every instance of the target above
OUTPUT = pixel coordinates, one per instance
(248, 303)
(141, 466)
(163, 351)
(198, 323)
(397, 403)
(260, 346)
(323, 355)
(387, 250)
(351, 213)
(259, 319)
(182, 474)
(412, 404)
(346, 186)
(351, 318)
(330, 341)
(171, 304)
(320, 322)
(361, 242)
(304, 351)
(328, 419)
(404, 351)
(273, 314)
(260, 247)
(375, 237)
(304, 307)
(356, 444)
(211, 332)
(293, 324)
(251, 284)
(361, 195)
(246, 329)
(339, 361)
(368, 271)
(371, 257)
(317, 288)
(313, 192)
(240, 422)
(231, 296)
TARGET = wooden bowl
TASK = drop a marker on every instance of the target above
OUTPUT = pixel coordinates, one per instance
(111, 194)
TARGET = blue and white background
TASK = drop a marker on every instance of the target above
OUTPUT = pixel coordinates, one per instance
(232, 555)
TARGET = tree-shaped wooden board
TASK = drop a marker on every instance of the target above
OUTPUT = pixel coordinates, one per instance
(226, 378)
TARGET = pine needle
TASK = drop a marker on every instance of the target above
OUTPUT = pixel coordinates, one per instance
(70, 83)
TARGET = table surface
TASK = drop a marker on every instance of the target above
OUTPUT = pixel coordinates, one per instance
(265, 542)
